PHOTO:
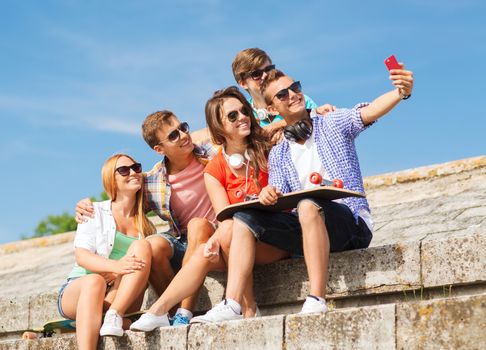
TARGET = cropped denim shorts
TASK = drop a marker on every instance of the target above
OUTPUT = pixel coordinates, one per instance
(283, 230)
(179, 246)
(59, 296)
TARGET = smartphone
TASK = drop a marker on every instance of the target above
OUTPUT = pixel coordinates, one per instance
(392, 63)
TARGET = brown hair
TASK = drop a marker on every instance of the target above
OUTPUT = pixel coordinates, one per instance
(142, 223)
(258, 143)
(248, 60)
(272, 76)
(152, 124)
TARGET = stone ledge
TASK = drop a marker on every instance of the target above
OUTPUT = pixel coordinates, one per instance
(354, 328)
(454, 323)
(451, 323)
(258, 333)
(373, 271)
(454, 260)
(426, 172)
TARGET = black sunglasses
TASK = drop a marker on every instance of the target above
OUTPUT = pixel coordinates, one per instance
(283, 94)
(125, 170)
(175, 134)
(258, 73)
(233, 115)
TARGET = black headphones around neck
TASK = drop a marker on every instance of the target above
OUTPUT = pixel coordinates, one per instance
(299, 131)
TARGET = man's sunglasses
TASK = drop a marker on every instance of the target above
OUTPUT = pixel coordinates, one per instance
(125, 170)
(283, 94)
(233, 115)
(258, 73)
(175, 134)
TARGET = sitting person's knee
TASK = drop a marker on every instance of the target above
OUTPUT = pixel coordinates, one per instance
(199, 230)
(308, 210)
(160, 247)
(94, 281)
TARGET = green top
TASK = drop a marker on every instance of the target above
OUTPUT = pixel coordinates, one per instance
(120, 248)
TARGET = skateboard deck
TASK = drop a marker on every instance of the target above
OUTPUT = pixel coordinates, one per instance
(289, 200)
(64, 325)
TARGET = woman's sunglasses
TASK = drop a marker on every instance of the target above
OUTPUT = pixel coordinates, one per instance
(233, 115)
(258, 73)
(125, 170)
(283, 94)
(175, 134)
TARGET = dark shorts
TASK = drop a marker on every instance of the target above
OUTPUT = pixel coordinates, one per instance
(283, 230)
(179, 246)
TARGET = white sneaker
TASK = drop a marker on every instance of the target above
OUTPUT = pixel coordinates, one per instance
(221, 312)
(112, 324)
(148, 322)
(313, 304)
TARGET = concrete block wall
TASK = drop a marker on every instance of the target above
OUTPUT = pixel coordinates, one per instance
(421, 284)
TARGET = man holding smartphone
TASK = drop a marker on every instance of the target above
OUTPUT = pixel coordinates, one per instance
(325, 145)
(313, 144)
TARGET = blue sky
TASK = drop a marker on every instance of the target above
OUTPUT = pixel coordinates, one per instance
(77, 78)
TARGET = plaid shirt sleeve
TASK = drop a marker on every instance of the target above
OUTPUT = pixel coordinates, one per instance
(276, 173)
(348, 121)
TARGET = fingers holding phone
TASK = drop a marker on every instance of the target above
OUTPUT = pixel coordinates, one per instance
(401, 78)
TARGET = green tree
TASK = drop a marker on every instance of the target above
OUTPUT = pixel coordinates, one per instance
(55, 224)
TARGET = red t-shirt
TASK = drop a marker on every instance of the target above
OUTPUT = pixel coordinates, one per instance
(218, 168)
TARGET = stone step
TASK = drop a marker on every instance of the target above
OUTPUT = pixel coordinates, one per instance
(432, 268)
(448, 323)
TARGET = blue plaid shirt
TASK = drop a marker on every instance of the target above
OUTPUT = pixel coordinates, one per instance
(334, 136)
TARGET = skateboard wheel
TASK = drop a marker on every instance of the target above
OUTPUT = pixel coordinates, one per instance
(338, 183)
(315, 178)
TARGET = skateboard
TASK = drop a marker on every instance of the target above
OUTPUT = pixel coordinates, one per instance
(64, 325)
(329, 190)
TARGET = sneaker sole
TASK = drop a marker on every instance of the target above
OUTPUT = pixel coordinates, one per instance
(111, 334)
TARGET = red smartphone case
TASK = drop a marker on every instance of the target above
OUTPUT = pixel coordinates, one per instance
(392, 63)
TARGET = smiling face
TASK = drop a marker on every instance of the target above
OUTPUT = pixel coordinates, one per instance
(253, 85)
(171, 145)
(291, 107)
(236, 120)
(131, 182)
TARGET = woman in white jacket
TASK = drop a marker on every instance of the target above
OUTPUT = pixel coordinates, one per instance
(112, 256)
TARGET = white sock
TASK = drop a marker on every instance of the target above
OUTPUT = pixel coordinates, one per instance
(184, 312)
(234, 305)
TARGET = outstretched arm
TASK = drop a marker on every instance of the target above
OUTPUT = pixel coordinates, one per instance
(403, 81)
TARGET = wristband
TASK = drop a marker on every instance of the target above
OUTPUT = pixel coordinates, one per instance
(405, 97)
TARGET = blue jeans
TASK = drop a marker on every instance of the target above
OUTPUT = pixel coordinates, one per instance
(61, 292)
(283, 229)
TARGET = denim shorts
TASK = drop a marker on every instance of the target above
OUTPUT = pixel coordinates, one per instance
(61, 292)
(283, 229)
(179, 246)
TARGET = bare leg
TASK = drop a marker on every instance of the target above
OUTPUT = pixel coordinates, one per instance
(198, 232)
(186, 282)
(83, 301)
(133, 284)
(161, 272)
(242, 259)
(316, 247)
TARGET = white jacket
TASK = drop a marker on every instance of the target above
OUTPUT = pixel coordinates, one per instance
(97, 234)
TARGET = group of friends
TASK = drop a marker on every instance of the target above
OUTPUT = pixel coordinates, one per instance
(256, 147)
